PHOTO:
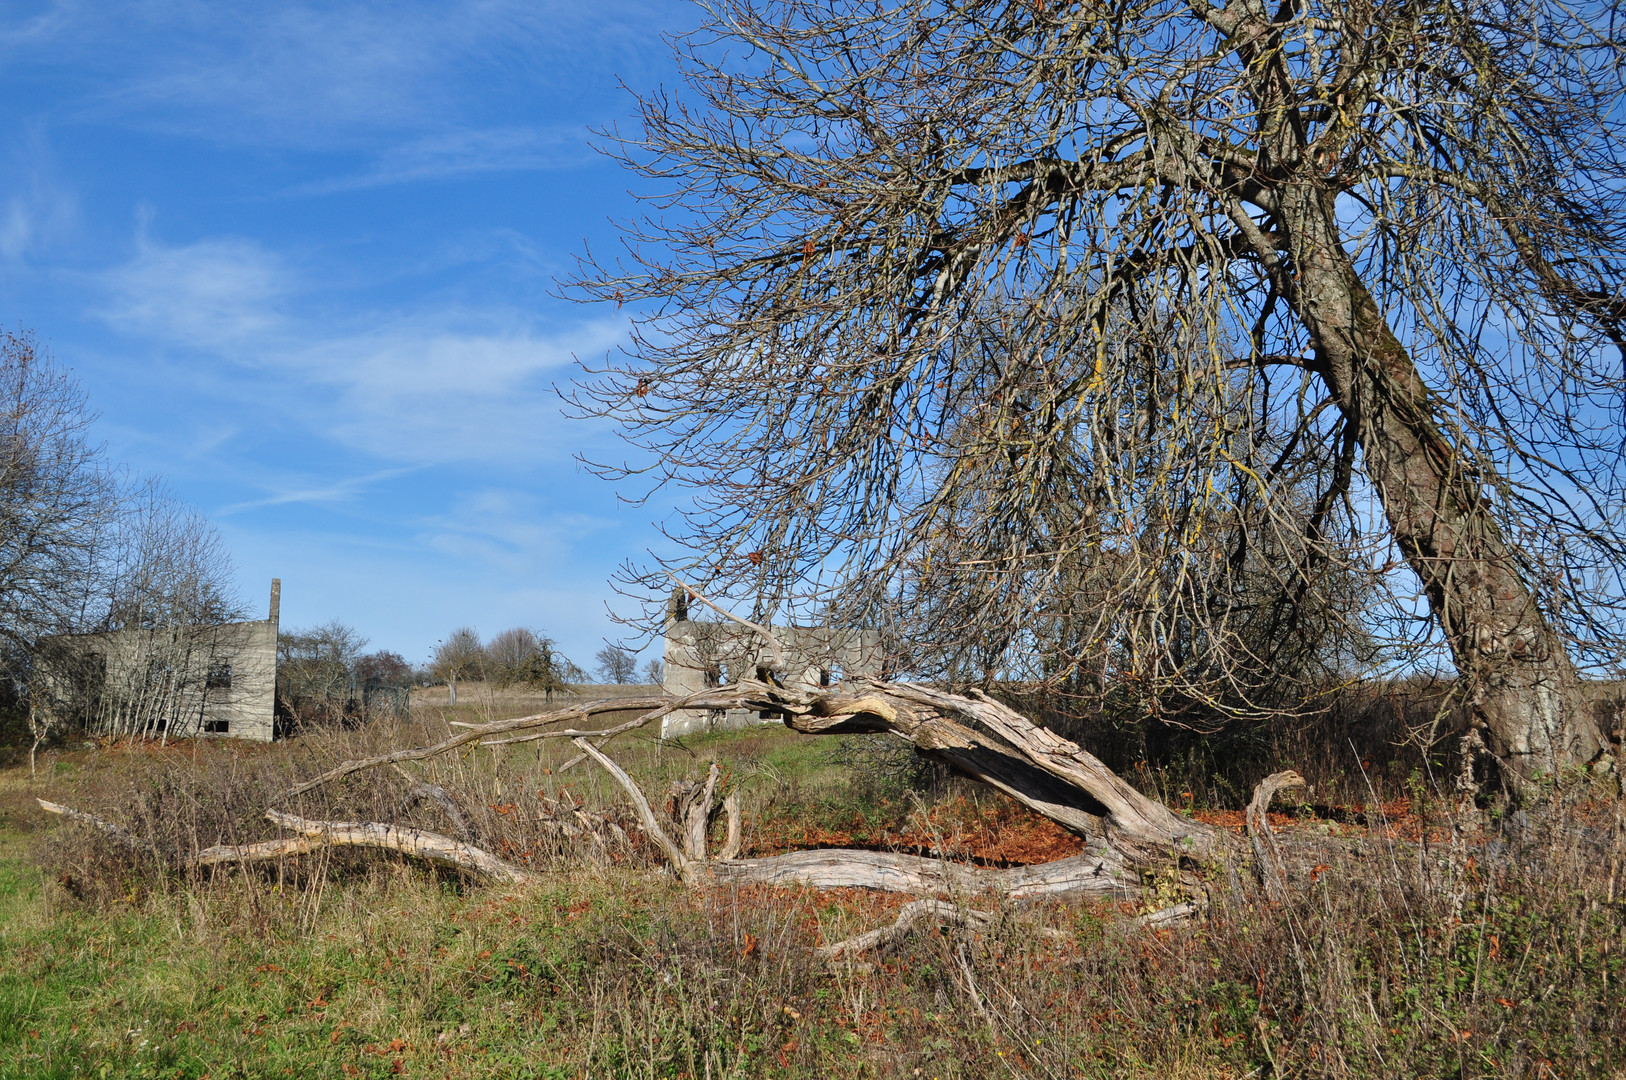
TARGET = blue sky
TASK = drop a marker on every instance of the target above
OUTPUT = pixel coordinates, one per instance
(301, 256)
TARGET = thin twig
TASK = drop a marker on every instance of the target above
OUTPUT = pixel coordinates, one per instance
(657, 706)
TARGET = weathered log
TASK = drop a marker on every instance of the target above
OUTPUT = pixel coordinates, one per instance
(431, 847)
(259, 852)
(1095, 873)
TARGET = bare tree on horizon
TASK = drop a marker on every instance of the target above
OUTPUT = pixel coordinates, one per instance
(617, 664)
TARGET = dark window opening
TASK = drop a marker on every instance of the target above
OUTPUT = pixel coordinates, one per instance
(824, 676)
(219, 676)
(217, 727)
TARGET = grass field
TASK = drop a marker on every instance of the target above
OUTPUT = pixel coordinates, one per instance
(1438, 958)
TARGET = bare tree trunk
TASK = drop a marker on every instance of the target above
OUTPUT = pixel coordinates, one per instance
(693, 811)
(1519, 682)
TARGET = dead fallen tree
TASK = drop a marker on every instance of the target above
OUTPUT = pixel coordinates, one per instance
(972, 734)
(1127, 832)
(1128, 835)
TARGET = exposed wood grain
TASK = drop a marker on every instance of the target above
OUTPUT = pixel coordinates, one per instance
(1267, 853)
(1090, 874)
(735, 836)
(646, 816)
(431, 847)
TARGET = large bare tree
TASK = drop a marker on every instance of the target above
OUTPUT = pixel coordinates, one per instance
(58, 497)
(1043, 314)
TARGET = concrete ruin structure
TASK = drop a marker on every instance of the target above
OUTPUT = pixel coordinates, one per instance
(703, 654)
(214, 680)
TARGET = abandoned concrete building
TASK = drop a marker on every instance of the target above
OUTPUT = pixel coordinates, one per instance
(701, 654)
(210, 680)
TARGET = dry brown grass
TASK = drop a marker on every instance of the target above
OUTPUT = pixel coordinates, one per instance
(1417, 940)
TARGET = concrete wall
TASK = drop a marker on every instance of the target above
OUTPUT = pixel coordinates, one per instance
(201, 680)
(699, 655)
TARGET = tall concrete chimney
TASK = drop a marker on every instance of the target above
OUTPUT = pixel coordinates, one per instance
(276, 601)
(677, 608)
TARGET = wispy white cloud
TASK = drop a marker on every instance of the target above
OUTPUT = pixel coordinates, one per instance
(27, 29)
(332, 492)
(458, 153)
(320, 75)
(31, 218)
(507, 531)
(37, 209)
(220, 294)
(445, 382)
(452, 384)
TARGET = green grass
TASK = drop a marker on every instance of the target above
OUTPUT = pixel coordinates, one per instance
(434, 983)
(399, 973)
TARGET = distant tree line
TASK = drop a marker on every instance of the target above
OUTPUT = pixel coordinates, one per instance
(324, 678)
(519, 657)
(530, 659)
